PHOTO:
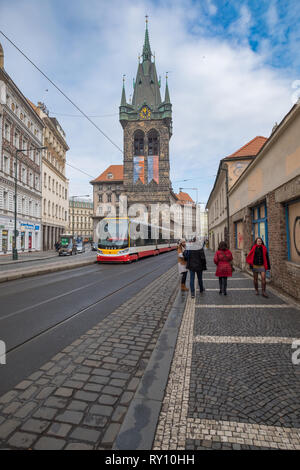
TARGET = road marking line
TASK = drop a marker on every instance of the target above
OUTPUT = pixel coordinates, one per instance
(244, 339)
(231, 279)
(232, 288)
(244, 306)
(276, 437)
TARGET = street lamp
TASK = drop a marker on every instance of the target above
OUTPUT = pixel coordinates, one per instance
(74, 197)
(15, 250)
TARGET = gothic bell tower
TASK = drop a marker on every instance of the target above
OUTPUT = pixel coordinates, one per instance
(147, 126)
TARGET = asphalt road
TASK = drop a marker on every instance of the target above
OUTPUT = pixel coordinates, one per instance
(40, 316)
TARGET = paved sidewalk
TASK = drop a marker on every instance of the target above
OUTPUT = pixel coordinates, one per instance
(232, 383)
(79, 399)
(46, 265)
(27, 257)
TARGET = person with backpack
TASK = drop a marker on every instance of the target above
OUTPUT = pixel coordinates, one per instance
(196, 264)
(222, 259)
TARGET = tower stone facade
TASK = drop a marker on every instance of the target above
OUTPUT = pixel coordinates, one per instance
(147, 125)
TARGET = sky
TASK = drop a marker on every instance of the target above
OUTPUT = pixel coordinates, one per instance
(233, 67)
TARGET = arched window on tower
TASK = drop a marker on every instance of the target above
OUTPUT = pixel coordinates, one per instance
(138, 143)
(153, 143)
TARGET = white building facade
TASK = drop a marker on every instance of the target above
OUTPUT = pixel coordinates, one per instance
(20, 128)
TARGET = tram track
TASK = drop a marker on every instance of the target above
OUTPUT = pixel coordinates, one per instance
(59, 324)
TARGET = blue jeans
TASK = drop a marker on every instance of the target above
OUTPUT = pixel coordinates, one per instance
(192, 281)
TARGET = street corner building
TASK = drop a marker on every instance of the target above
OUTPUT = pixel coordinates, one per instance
(265, 202)
(21, 136)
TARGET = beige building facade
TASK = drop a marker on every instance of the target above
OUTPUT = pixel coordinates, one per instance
(230, 169)
(81, 218)
(55, 186)
(265, 202)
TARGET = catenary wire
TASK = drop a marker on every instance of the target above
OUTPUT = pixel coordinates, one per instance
(72, 102)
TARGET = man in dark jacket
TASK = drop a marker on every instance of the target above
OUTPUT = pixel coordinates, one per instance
(196, 263)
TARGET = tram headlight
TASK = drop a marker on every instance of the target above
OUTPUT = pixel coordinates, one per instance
(123, 252)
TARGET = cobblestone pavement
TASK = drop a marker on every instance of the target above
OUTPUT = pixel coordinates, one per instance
(233, 384)
(79, 399)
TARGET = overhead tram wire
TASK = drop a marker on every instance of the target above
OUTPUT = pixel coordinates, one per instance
(78, 169)
(72, 102)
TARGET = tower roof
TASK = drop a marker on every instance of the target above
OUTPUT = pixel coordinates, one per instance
(146, 90)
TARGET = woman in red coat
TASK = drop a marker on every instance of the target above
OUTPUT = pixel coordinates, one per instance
(258, 259)
(222, 259)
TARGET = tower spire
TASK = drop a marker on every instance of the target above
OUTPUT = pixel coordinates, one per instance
(167, 94)
(123, 99)
(1, 57)
(147, 49)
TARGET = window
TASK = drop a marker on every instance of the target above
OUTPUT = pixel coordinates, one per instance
(139, 143)
(36, 182)
(6, 164)
(239, 235)
(49, 182)
(153, 143)
(260, 223)
(45, 180)
(7, 131)
(293, 230)
(110, 176)
(17, 140)
(23, 205)
(109, 198)
(24, 175)
(45, 203)
(100, 197)
(30, 208)
(5, 200)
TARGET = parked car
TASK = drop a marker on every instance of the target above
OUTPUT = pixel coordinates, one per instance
(69, 249)
(80, 248)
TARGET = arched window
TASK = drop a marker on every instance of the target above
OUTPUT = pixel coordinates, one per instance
(139, 143)
(153, 143)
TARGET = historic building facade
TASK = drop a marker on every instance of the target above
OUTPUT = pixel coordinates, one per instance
(147, 125)
(55, 186)
(20, 129)
(265, 202)
(230, 169)
(144, 177)
(81, 218)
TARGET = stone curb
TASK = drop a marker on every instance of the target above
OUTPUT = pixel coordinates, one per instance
(46, 270)
(138, 429)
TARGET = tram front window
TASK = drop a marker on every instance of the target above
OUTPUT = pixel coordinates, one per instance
(113, 234)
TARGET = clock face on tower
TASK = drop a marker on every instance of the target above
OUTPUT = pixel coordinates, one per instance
(145, 113)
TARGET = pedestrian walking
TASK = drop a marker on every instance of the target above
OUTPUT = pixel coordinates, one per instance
(182, 269)
(258, 259)
(196, 264)
(222, 259)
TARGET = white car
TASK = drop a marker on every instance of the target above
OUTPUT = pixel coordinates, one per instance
(80, 248)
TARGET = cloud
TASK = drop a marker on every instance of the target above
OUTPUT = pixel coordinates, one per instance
(223, 93)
